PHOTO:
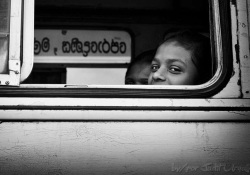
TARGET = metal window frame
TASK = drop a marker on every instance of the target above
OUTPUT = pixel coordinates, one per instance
(28, 39)
(13, 77)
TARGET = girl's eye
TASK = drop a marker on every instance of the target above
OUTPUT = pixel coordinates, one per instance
(154, 67)
(175, 70)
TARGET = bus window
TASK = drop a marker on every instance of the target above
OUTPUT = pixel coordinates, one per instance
(70, 51)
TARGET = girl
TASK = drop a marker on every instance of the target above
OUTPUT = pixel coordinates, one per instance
(183, 58)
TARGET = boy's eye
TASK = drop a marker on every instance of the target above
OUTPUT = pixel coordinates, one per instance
(144, 82)
(154, 67)
(129, 82)
(175, 70)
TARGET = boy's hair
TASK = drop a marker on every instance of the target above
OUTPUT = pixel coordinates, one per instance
(199, 46)
(143, 58)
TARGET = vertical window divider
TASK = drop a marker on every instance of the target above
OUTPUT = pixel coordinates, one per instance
(28, 39)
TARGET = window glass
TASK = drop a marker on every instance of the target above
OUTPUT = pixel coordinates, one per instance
(4, 54)
(4, 15)
(4, 35)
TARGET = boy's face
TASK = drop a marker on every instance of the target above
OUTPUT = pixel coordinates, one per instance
(138, 74)
(172, 65)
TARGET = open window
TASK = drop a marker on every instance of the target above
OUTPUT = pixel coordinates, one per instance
(141, 26)
(10, 29)
(16, 41)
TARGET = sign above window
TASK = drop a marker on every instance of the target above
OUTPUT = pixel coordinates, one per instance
(82, 46)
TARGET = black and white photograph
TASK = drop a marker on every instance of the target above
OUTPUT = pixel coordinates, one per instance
(124, 87)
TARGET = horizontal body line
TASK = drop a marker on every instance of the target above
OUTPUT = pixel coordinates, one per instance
(145, 108)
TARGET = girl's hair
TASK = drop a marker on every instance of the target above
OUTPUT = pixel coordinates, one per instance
(143, 58)
(199, 46)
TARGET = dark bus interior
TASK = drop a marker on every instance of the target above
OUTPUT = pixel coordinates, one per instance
(147, 21)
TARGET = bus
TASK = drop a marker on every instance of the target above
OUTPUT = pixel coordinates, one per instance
(65, 107)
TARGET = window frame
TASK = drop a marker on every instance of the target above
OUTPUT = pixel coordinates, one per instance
(13, 76)
(220, 39)
(28, 39)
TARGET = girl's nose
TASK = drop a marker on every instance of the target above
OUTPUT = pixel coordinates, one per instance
(159, 75)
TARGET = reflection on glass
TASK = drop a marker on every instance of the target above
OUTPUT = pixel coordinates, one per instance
(4, 16)
(4, 34)
(3, 55)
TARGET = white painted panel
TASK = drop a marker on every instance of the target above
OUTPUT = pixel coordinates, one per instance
(152, 103)
(123, 115)
(124, 109)
(244, 55)
(233, 88)
(96, 76)
(124, 148)
(82, 46)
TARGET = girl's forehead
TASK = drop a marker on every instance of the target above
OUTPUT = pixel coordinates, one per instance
(173, 44)
(172, 51)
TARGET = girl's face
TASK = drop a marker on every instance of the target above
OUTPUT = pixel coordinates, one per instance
(138, 74)
(172, 65)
